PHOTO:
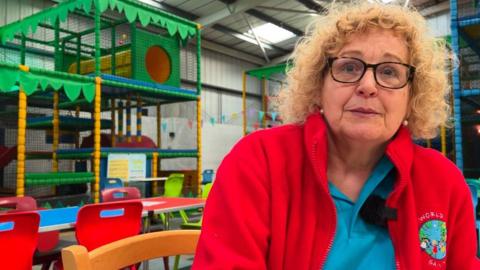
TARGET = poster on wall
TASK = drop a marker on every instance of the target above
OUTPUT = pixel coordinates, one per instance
(127, 166)
(137, 166)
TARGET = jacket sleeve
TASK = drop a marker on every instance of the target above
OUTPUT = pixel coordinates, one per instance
(462, 237)
(236, 224)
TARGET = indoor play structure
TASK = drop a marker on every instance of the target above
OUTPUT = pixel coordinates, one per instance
(265, 117)
(107, 56)
(465, 25)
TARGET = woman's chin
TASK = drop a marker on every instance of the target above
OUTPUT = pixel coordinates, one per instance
(366, 135)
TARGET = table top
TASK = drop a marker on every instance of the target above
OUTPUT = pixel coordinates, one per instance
(58, 218)
(171, 204)
(146, 179)
(64, 218)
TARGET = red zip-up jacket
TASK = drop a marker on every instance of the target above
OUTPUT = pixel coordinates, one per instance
(270, 207)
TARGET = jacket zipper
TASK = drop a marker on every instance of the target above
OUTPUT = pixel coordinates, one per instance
(395, 251)
(393, 233)
(330, 242)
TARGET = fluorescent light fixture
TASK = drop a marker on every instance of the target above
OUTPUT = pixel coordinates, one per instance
(271, 33)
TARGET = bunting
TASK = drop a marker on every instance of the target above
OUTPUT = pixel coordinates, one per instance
(257, 115)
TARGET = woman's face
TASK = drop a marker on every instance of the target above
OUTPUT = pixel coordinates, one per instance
(365, 111)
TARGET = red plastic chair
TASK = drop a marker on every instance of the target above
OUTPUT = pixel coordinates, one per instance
(46, 240)
(103, 223)
(18, 238)
(100, 224)
(120, 194)
(16, 204)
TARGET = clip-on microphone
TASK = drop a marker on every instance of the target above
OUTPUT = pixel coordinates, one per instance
(375, 211)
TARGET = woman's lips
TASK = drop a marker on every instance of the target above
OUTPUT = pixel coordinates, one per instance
(364, 112)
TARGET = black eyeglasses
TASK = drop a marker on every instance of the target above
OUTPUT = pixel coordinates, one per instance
(391, 75)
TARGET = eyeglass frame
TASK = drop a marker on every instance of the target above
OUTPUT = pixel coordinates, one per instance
(411, 70)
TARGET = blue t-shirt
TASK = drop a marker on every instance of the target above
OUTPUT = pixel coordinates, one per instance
(357, 244)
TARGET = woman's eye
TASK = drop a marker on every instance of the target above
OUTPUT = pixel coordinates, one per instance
(349, 68)
(389, 71)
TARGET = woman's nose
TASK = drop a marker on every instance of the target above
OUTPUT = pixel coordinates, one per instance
(367, 86)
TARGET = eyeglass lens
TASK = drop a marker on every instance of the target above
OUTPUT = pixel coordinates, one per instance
(389, 75)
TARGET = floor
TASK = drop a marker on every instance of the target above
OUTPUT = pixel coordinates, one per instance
(185, 261)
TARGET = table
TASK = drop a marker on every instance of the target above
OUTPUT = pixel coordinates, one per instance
(146, 179)
(58, 218)
(65, 218)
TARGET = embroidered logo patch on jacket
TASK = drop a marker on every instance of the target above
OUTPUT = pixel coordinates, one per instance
(433, 238)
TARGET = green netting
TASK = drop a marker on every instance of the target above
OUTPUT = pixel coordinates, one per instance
(58, 178)
(88, 155)
(133, 10)
(30, 24)
(39, 155)
(149, 91)
(30, 81)
(67, 123)
(145, 41)
(266, 72)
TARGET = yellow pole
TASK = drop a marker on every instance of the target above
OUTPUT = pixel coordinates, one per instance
(155, 160)
(199, 145)
(113, 110)
(129, 118)
(443, 138)
(264, 102)
(120, 121)
(244, 102)
(429, 144)
(154, 172)
(56, 132)
(159, 128)
(96, 141)
(22, 126)
(139, 118)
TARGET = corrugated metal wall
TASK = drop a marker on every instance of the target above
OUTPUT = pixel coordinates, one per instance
(440, 24)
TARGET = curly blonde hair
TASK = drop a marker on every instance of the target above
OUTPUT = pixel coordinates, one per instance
(428, 108)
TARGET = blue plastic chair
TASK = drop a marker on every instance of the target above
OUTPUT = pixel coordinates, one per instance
(106, 183)
(207, 176)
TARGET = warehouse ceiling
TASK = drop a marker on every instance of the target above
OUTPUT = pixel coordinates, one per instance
(260, 31)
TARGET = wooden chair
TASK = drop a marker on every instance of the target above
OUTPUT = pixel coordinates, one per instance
(132, 250)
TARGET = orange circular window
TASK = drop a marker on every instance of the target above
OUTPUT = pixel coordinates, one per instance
(158, 64)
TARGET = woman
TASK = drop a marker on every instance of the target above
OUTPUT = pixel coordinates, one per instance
(343, 186)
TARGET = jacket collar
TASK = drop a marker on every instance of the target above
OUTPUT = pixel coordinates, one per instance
(399, 150)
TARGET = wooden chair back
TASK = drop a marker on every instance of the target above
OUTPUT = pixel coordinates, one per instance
(131, 250)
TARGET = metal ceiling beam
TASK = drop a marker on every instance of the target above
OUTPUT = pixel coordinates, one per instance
(259, 43)
(246, 38)
(218, 27)
(287, 10)
(264, 17)
(207, 44)
(433, 10)
(237, 7)
(310, 4)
